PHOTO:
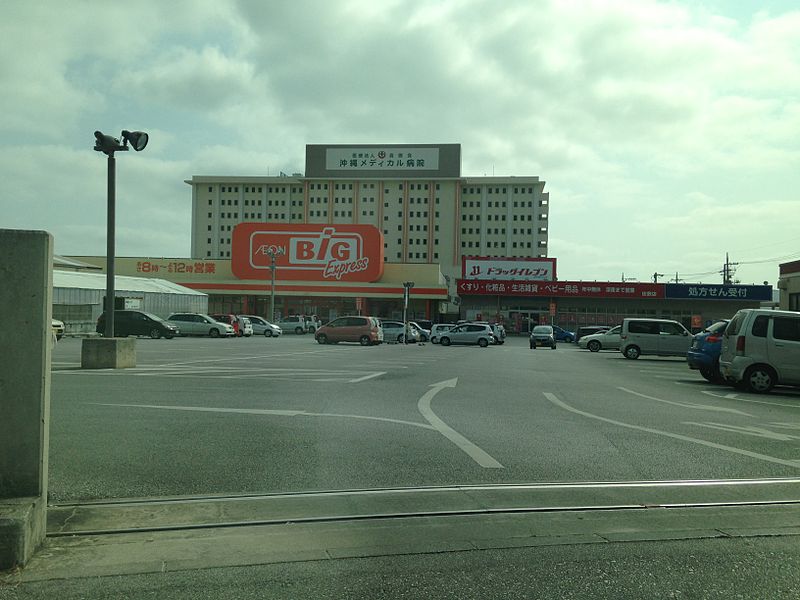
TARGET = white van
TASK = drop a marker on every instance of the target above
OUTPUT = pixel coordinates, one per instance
(660, 337)
(761, 348)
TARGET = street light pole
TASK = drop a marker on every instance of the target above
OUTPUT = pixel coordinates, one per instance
(273, 253)
(407, 285)
(109, 145)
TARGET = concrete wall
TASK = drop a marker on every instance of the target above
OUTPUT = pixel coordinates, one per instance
(25, 300)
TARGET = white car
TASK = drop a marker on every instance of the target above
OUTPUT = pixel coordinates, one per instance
(761, 348)
(263, 327)
(245, 326)
(607, 340)
(659, 337)
(393, 332)
(200, 324)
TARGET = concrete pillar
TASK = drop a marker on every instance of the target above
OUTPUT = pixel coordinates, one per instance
(26, 284)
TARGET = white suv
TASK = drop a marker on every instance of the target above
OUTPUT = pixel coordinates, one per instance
(761, 348)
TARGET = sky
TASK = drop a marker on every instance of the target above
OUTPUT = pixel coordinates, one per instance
(667, 132)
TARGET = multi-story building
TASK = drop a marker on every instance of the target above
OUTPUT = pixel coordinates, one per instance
(415, 195)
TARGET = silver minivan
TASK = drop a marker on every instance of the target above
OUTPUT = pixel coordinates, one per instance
(761, 348)
(659, 337)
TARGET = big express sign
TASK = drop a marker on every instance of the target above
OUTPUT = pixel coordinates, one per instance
(308, 252)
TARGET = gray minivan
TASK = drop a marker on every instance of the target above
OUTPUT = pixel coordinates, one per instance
(659, 337)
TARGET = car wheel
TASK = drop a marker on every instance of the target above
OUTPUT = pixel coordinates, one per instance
(155, 333)
(445, 341)
(483, 342)
(553, 347)
(434, 340)
(759, 379)
(594, 346)
(400, 338)
(268, 333)
(364, 340)
(710, 374)
(533, 345)
(214, 333)
(569, 339)
(322, 338)
(632, 352)
(169, 336)
(298, 330)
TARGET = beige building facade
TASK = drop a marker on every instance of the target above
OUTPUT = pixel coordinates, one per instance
(415, 195)
(789, 285)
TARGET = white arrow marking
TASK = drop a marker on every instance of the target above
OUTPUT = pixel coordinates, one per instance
(736, 397)
(687, 404)
(475, 453)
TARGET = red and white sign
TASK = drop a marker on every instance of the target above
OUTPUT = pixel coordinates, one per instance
(307, 252)
(508, 269)
(560, 289)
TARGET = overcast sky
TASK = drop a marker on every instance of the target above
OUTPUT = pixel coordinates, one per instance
(667, 132)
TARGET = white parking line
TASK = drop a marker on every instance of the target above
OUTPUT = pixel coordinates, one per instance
(365, 377)
(737, 398)
(687, 404)
(764, 457)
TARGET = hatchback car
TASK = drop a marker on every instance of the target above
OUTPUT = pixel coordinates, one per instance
(245, 326)
(58, 328)
(468, 333)
(200, 324)
(589, 330)
(438, 329)
(761, 349)
(393, 332)
(562, 335)
(364, 330)
(137, 322)
(424, 334)
(263, 327)
(704, 353)
(543, 335)
(605, 340)
(293, 324)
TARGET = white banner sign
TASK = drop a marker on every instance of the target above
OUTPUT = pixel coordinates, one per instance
(509, 270)
(377, 159)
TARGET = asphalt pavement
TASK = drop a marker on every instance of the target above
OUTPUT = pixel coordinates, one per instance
(243, 468)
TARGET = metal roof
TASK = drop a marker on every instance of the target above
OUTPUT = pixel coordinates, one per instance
(97, 281)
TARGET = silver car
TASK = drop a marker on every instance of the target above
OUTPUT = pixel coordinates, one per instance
(200, 324)
(606, 340)
(393, 331)
(468, 333)
(263, 327)
(438, 329)
(293, 324)
(543, 335)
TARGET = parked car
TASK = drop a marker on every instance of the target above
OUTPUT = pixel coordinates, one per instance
(312, 323)
(543, 335)
(58, 328)
(703, 355)
(230, 320)
(364, 330)
(438, 329)
(660, 337)
(605, 340)
(498, 331)
(293, 324)
(245, 326)
(424, 323)
(589, 330)
(761, 349)
(468, 333)
(424, 334)
(393, 331)
(263, 327)
(562, 335)
(200, 324)
(137, 322)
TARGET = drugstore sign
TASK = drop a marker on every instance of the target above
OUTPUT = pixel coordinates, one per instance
(307, 252)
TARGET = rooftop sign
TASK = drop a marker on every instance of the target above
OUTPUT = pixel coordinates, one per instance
(307, 252)
(508, 269)
(387, 160)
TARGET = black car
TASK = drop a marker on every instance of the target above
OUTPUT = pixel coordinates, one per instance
(137, 322)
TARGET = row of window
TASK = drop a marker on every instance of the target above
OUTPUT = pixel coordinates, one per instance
(497, 231)
(495, 204)
(497, 190)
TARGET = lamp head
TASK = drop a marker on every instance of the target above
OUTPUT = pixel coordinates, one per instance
(107, 144)
(137, 139)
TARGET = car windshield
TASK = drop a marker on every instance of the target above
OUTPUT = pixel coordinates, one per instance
(435, 202)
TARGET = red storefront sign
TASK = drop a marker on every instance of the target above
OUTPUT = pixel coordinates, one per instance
(560, 289)
(307, 252)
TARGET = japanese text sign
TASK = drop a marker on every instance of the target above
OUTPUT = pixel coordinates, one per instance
(378, 159)
(710, 291)
(562, 289)
(508, 269)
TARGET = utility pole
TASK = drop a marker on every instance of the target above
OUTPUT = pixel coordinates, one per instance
(728, 269)
(273, 253)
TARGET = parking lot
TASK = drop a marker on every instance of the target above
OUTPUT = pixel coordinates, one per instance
(257, 415)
